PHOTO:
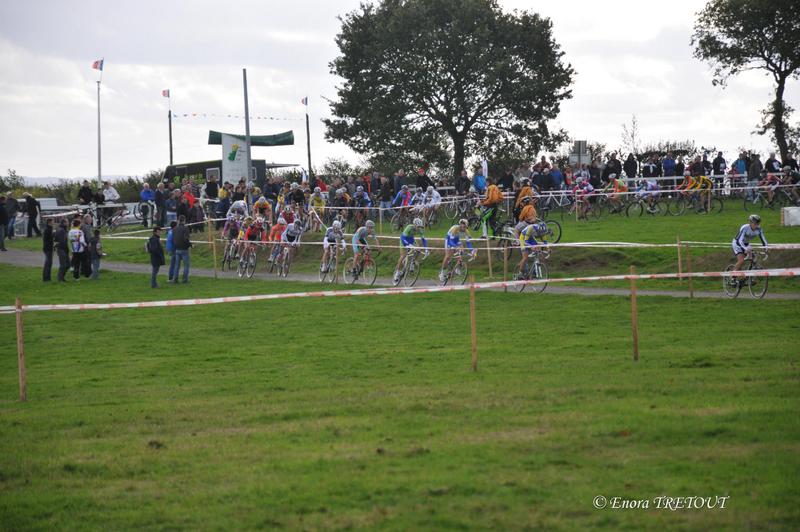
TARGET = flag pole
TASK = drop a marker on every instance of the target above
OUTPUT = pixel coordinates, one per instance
(247, 133)
(308, 142)
(169, 116)
(99, 165)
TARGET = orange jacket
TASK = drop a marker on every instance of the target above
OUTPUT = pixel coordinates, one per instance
(528, 211)
(493, 196)
(525, 192)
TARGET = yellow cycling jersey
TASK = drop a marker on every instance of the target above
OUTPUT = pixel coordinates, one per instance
(702, 182)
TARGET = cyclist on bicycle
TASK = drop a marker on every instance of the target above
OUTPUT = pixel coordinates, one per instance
(619, 188)
(418, 200)
(490, 205)
(431, 203)
(237, 207)
(334, 236)
(648, 188)
(528, 242)
(360, 241)
(402, 198)
(362, 202)
(254, 233)
(741, 243)
(263, 208)
(453, 240)
(687, 184)
(583, 190)
(290, 238)
(232, 227)
(316, 203)
(524, 192)
(770, 182)
(407, 242)
(703, 186)
(526, 216)
(790, 180)
(275, 237)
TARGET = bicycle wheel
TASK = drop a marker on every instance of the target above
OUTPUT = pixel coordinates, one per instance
(716, 205)
(539, 271)
(273, 264)
(287, 261)
(753, 205)
(137, 210)
(474, 223)
(519, 275)
(677, 206)
(731, 285)
(595, 211)
(459, 274)
(240, 266)
(369, 272)
(757, 286)
(412, 273)
(349, 274)
(451, 209)
(250, 266)
(323, 274)
(397, 222)
(226, 259)
(635, 209)
(553, 231)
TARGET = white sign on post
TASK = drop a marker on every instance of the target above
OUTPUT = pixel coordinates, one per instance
(234, 159)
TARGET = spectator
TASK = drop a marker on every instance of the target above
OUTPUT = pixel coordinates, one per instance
(668, 165)
(753, 174)
(719, 165)
(183, 206)
(680, 166)
(613, 166)
(212, 188)
(110, 195)
(197, 217)
(772, 165)
(596, 173)
(85, 194)
(171, 252)
(479, 180)
(649, 167)
(399, 179)
(78, 245)
(180, 239)
(62, 249)
(543, 164)
(423, 181)
(156, 255)
(696, 168)
(707, 166)
(148, 197)
(12, 208)
(86, 227)
(506, 182)
(385, 196)
(47, 249)
(631, 167)
(557, 178)
(171, 206)
(791, 162)
(32, 208)
(95, 253)
(462, 183)
(3, 223)
(160, 200)
(740, 165)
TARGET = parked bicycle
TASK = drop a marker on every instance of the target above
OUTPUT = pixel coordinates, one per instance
(757, 286)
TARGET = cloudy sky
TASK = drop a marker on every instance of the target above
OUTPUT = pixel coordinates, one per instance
(631, 57)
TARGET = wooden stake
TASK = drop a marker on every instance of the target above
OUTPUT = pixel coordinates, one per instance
(489, 255)
(23, 387)
(680, 262)
(634, 317)
(213, 242)
(506, 251)
(689, 266)
(472, 323)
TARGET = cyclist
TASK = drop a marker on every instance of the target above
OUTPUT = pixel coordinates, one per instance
(360, 241)
(703, 186)
(490, 204)
(418, 200)
(254, 233)
(316, 203)
(686, 185)
(275, 237)
(361, 201)
(334, 236)
(527, 215)
(243, 228)
(431, 202)
(232, 226)
(583, 190)
(770, 182)
(648, 188)
(453, 241)
(287, 213)
(791, 178)
(619, 189)
(290, 238)
(407, 242)
(237, 207)
(741, 243)
(402, 198)
(528, 243)
(263, 208)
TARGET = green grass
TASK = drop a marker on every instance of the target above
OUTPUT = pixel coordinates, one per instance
(363, 413)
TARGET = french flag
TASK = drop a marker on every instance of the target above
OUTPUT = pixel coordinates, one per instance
(98, 65)
(165, 93)
(304, 101)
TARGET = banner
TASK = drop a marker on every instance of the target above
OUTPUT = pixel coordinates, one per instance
(234, 159)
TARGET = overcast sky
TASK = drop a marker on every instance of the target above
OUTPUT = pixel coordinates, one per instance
(631, 57)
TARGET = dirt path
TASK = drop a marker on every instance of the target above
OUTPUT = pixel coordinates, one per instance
(18, 257)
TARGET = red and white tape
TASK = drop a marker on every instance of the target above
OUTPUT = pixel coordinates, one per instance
(780, 272)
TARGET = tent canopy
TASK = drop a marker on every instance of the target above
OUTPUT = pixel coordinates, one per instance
(280, 139)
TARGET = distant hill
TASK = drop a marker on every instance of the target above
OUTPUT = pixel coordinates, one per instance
(44, 181)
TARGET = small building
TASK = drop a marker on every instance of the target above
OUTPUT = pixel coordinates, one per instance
(201, 171)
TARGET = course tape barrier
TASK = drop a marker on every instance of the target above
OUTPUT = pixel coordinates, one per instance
(779, 272)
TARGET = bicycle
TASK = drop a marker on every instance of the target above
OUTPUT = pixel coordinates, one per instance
(145, 211)
(230, 254)
(760, 200)
(410, 268)
(401, 218)
(640, 206)
(533, 269)
(116, 219)
(247, 263)
(329, 271)
(366, 271)
(757, 286)
(456, 269)
(286, 256)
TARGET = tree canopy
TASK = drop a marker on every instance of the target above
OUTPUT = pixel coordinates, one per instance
(439, 80)
(740, 35)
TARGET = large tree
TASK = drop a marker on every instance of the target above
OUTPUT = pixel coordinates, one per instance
(739, 35)
(444, 79)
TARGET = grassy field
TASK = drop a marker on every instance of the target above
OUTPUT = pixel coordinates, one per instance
(363, 413)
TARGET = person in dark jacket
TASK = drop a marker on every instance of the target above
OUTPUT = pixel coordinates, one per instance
(12, 208)
(506, 182)
(613, 166)
(3, 223)
(62, 250)
(423, 181)
(95, 253)
(161, 205)
(180, 239)
(32, 208)
(156, 255)
(631, 167)
(47, 249)
(85, 194)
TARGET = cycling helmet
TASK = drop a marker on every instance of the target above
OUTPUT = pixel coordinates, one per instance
(294, 185)
(281, 220)
(754, 219)
(429, 190)
(370, 224)
(337, 225)
(612, 176)
(338, 191)
(418, 222)
(359, 188)
(472, 189)
(287, 208)
(463, 221)
(526, 199)
(262, 199)
(540, 228)
(298, 225)
(317, 190)
(404, 187)
(787, 169)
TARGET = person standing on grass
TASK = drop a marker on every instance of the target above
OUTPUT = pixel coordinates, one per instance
(47, 248)
(78, 245)
(95, 253)
(3, 223)
(12, 208)
(62, 249)
(171, 251)
(32, 207)
(180, 239)
(156, 255)
(88, 232)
